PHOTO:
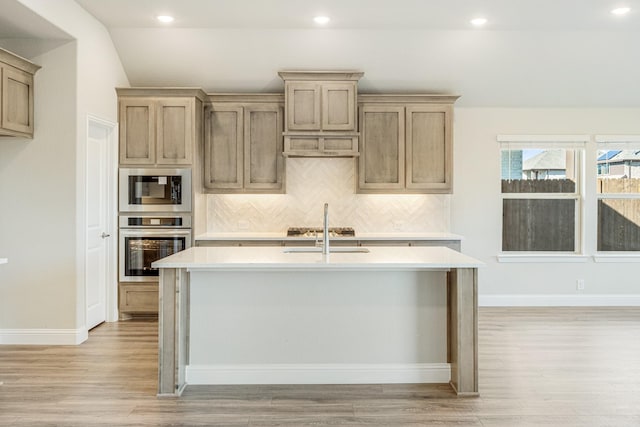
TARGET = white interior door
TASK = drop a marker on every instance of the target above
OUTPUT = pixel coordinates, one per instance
(99, 210)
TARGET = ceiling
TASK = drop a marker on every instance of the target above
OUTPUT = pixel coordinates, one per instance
(531, 53)
(26, 33)
(365, 14)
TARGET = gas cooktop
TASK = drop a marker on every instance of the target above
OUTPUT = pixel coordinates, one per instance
(313, 232)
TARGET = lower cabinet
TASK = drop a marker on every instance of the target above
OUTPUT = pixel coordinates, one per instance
(453, 244)
(138, 298)
(227, 243)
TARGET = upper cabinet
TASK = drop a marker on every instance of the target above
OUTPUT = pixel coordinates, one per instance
(381, 162)
(238, 143)
(16, 91)
(406, 144)
(159, 126)
(243, 144)
(321, 113)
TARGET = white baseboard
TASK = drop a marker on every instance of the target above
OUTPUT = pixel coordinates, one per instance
(596, 300)
(319, 373)
(43, 336)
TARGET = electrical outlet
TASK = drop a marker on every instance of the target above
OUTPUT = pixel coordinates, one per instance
(243, 224)
(398, 225)
(580, 284)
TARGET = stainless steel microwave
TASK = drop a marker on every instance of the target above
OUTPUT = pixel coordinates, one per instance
(155, 190)
(141, 247)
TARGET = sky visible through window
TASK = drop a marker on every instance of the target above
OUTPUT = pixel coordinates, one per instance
(527, 154)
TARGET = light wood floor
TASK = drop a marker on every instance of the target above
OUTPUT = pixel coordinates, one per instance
(538, 366)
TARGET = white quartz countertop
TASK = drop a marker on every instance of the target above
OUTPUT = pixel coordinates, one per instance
(359, 236)
(275, 258)
(3, 260)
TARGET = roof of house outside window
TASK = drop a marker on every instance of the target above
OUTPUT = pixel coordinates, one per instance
(614, 156)
(547, 160)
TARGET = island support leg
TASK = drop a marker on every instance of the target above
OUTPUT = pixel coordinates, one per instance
(173, 331)
(462, 354)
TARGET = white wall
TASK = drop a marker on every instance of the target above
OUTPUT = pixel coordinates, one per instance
(87, 78)
(476, 205)
(37, 228)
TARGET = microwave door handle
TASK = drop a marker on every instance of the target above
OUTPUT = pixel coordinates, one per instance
(138, 190)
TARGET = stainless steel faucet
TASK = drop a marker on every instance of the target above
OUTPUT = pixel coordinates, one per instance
(325, 230)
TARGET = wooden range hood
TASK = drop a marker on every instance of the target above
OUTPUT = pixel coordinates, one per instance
(321, 113)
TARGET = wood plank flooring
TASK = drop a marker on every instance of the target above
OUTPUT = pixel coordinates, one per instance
(538, 367)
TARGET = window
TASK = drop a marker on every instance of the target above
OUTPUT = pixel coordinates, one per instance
(541, 193)
(618, 190)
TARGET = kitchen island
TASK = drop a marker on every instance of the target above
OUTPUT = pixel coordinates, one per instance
(315, 308)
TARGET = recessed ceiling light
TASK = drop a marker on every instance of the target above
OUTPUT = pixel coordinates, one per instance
(321, 20)
(479, 22)
(165, 18)
(621, 10)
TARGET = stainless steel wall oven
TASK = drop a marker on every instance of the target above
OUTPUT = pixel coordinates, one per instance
(147, 238)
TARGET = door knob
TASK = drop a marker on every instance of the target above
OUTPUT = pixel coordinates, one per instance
(105, 235)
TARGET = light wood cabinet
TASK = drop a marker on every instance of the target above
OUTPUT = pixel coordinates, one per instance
(16, 93)
(428, 148)
(321, 146)
(303, 106)
(453, 244)
(224, 147)
(406, 144)
(381, 163)
(174, 131)
(137, 131)
(138, 298)
(158, 126)
(243, 147)
(320, 105)
(321, 113)
(263, 161)
(339, 106)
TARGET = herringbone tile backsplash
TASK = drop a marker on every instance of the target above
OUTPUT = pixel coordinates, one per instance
(313, 181)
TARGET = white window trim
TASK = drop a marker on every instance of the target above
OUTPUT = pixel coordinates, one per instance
(613, 139)
(575, 142)
(544, 257)
(541, 139)
(617, 257)
(621, 142)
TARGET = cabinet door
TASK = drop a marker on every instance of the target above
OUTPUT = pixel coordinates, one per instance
(17, 101)
(339, 106)
(174, 131)
(428, 163)
(263, 161)
(137, 131)
(381, 162)
(223, 150)
(303, 106)
(138, 298)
